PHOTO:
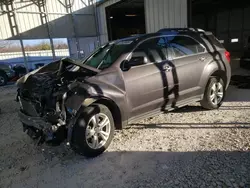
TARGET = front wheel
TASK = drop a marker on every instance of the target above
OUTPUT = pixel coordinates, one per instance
(214, 94)
(93, 131)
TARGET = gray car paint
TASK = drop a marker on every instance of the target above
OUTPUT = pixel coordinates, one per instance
(146, 90)
(140, 92)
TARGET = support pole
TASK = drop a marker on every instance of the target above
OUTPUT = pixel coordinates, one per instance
(10, 7)
(45, 20)
(189, 13)
(69, 10)
(96, 23)
(24, 55)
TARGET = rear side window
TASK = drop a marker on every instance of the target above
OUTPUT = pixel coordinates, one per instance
(183, 46)
(155, 49)
(214, 40)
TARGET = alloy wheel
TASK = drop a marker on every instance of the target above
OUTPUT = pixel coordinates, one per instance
(217, 93)
(98, 131)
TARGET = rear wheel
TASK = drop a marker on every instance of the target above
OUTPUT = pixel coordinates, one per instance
(93, 131)
(3, 79)
(214, 94)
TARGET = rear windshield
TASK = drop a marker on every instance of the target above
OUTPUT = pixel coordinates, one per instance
(214, 41)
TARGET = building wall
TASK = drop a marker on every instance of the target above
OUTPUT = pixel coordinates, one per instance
(165, 13)
(86, 45)
(158, 14)
(102, 22)
(227, 25)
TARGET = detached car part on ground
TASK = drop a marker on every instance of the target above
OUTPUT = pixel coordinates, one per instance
(122, 82)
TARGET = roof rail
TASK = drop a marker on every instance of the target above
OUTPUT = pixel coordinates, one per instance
(181, 29)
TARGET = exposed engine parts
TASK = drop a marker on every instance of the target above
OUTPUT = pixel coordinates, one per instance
(42, 98)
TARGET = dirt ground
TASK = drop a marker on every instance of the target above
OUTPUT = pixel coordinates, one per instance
(186, 148)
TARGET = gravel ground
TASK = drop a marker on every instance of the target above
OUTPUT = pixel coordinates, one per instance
(186, 148)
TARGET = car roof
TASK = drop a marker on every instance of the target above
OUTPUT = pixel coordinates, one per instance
(164, 31)
(183, 30)
(138, 37)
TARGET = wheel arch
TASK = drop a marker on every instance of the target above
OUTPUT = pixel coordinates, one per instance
(112, 106)
(220, 73)
(216, 73)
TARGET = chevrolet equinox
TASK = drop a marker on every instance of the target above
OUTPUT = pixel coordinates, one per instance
(82, 102)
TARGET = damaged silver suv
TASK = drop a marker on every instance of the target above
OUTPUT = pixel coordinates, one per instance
(83, 102)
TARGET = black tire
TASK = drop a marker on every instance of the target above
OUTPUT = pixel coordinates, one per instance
(79, 142)
(206, 102)
(3, 77)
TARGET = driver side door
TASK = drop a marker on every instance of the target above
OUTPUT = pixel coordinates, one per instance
(146, 83)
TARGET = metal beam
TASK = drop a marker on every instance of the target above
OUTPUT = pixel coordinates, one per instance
(35, 30)
(45, 21)
(96, 23)
(189, 13)
(51, 13)
(68, 4)
(10, 7)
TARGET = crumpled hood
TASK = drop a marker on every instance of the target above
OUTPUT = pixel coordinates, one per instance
(55, 68)
(23, 79)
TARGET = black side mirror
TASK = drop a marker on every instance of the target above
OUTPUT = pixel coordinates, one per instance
(125, 66)
(134, 61)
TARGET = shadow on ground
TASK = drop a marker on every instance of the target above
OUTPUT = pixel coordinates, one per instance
(189, 109)
(135, 169)
(213, 125)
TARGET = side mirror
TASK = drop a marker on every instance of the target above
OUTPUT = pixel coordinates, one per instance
(134, 61)
(125, 66)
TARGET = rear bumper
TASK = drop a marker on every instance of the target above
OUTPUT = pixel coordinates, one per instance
(36, 122)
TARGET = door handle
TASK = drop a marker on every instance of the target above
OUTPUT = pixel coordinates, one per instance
(202, 59)
(167, 68)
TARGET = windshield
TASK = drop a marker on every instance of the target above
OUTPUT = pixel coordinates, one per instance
(106, 55)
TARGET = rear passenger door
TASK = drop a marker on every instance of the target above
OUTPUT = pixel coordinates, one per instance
(189, 58)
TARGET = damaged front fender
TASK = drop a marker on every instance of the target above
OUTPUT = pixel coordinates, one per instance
(77, 98)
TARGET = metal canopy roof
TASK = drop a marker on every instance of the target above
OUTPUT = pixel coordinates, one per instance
(41, 19)
(38, 19)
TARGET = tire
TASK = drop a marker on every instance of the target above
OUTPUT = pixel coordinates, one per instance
(208, 101)
(3, 79)
(84, 134)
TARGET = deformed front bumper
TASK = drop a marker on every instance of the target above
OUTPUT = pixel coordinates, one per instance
(36, 122)
(36, 127)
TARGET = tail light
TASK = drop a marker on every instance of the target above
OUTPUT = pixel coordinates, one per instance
(227, 55)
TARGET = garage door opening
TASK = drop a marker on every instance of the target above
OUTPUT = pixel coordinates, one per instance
(125, 19)
(229, 22)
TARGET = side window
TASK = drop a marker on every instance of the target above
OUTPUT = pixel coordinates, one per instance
(154, 49)
(183, 46)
